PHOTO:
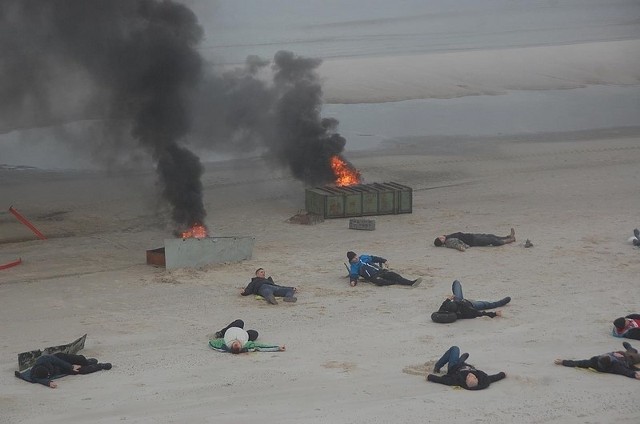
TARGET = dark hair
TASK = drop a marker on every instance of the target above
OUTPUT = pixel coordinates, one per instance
(437, 242)
(351, 255)
(259, 269)
(39, 371)
(619, 322)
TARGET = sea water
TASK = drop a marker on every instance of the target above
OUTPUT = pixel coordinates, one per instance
(349, 28)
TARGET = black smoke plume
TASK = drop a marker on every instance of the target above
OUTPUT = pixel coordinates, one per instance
(134, 66)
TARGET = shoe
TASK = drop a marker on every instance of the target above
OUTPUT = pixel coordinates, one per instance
(436, 370)
(505, 300)
(290, 299)
(513, 234)
(92, 361)
(464, 357)
(271, 299)
(105, 366)
(636, 233)
(416, 282)
(528, 243)
(218, 335)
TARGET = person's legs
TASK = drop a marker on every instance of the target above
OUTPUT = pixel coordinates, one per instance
(283, 291)
(73, 359)
(394, 277)
(88, 369)
(378, 280)
(627, 346)
(237, 323)
(631, 354)
(484, 304)
(451, 356)
(266, 291)
(493, 240)
(456, 288)
(87, 366)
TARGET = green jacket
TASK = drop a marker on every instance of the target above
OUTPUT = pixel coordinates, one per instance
(218, 344)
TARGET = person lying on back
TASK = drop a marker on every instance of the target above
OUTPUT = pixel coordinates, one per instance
(461, 241)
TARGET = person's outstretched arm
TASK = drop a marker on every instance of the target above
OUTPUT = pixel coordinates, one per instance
(262, 347)
(249, 289)
(497, 377)
(583, 363)
(444, 379)
(24, 375)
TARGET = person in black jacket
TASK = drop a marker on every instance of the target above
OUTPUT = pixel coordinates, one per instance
(618, 362)
(474, 239)
(465, 308)
(268, 289)
(459, 373)
(49, 367)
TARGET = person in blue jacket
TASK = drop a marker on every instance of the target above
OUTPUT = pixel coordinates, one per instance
(373, 269)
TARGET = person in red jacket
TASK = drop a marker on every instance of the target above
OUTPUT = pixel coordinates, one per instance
(628, 327)
(459, 373)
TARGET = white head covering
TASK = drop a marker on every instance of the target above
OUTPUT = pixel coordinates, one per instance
(235, 333)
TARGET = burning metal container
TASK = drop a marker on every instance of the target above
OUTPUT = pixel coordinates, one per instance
(359, 200)
(196, 252)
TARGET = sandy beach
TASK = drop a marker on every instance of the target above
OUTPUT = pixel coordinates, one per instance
(353, 355)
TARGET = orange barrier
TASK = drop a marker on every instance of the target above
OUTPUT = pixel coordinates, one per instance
(10, 264)
(27, 223)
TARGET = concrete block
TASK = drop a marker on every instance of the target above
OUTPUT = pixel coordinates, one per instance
(362, 224)
(198, 252)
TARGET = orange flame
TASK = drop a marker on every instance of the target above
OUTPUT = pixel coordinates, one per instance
(196, 231)
(345, 173)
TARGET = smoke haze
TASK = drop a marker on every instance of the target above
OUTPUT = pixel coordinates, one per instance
(131, 69)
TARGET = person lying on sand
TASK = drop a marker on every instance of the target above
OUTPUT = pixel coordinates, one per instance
(620, 362)
(50, 367)
(233, 338)
(373, 269)
(267, 288)
(457, 307)
(627, 327)
(461, 374)
(462, 241)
